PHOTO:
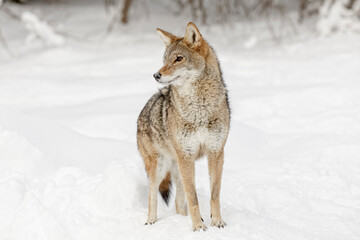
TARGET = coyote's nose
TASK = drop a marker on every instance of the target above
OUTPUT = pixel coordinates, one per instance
(157, 76)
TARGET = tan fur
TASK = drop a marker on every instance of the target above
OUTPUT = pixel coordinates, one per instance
(185, 120)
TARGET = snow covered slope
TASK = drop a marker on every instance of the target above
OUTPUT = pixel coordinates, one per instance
(69, 167)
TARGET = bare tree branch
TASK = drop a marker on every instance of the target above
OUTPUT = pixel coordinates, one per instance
(5, 45)
(10, 13)
(109, 4)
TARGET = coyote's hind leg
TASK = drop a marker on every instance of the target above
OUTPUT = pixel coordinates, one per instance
(180, 202)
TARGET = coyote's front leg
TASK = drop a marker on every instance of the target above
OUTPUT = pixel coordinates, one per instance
(215, 163)
(186, 166)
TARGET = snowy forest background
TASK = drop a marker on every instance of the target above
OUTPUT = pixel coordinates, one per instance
(43, 20)
(74, 76)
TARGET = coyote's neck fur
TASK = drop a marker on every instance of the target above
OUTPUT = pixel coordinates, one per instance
(199, 98)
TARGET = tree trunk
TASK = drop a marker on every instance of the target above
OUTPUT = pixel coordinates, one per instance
(351, 4)
(125, 11)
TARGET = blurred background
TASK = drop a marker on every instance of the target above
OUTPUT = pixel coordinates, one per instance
(55, 21)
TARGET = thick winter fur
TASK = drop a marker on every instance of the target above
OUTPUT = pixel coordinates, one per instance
(185, 120)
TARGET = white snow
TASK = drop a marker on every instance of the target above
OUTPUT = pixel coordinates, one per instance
(40, 29)
(69, 167)
(335, 17)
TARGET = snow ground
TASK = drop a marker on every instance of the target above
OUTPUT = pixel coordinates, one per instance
(69, 167)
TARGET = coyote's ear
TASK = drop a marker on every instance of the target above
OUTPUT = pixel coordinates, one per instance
(166, 37)
(192, 35)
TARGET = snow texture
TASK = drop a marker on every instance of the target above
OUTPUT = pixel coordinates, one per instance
(335, 17)
(69, 167)
(40, 29)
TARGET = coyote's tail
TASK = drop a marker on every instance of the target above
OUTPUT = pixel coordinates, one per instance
(165, 188)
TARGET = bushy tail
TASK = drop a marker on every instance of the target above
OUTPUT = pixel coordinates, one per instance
(165, 188)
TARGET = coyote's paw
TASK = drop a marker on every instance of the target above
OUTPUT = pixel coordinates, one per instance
(199, 227)
(151, 221)
(218, 223)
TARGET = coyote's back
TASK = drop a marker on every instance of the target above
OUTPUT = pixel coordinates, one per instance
(185, 120)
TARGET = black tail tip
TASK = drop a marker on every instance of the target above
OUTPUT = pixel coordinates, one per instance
(166, 196)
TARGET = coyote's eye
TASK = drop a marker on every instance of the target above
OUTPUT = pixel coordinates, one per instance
(179, 58)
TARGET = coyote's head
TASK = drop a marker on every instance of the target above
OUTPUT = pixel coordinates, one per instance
(184, 58)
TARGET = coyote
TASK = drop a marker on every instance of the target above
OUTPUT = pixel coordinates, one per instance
(188, 118)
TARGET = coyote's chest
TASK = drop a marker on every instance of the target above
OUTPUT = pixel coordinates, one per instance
(193, 138)
(199, 122)
(193, 107)
(200, 126)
